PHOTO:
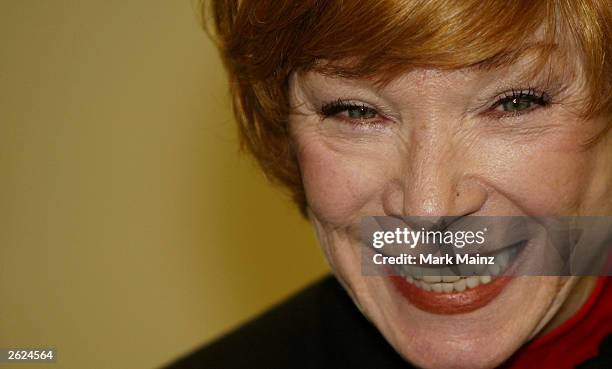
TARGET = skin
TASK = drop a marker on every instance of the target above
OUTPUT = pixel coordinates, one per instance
(435, 147)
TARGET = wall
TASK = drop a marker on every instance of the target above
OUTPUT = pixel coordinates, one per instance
(131, 229)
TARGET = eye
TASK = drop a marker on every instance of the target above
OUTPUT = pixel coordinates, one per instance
(357, 113)
(521, 101)
(361, 112)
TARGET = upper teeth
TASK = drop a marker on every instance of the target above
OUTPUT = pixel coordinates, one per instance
(458, 285)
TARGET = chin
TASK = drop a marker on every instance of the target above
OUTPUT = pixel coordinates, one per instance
(480, 326)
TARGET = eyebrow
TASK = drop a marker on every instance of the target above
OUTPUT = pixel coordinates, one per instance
(508, 58)
(540, 50)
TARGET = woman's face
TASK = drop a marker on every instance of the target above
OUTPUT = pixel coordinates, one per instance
(448, 143)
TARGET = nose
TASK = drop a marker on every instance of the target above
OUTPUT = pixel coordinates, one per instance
(436, 180)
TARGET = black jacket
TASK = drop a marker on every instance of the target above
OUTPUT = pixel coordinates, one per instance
(320, 327)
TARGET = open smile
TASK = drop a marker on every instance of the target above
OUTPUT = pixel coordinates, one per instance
(455, 294)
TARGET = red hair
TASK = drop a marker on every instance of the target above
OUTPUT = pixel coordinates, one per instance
(263, 42)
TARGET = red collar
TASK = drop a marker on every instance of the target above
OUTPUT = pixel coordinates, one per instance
(574, 341)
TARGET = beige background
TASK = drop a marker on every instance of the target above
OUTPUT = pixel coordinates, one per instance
(131, 230)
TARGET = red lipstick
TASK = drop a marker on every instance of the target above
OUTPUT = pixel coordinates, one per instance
(450, 303)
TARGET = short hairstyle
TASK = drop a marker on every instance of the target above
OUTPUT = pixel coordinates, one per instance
(263, 42)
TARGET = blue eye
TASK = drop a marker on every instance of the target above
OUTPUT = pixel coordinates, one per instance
(361, 112)
(521, 101)
(517, 104)
(349, 110)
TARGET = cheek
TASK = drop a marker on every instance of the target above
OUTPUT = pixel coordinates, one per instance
(545, 178)
(340, 187)
(552, 184)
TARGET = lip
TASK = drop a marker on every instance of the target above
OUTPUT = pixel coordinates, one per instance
(459, 302)
(450, 303)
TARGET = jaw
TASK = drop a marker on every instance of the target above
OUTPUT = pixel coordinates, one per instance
(477, 338)
(482, 338)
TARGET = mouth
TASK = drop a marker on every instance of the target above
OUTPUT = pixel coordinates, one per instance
(457, 294)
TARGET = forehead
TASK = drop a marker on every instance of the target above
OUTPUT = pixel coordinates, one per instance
(535, 63)
(534, 58)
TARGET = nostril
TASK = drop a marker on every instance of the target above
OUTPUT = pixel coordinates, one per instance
(470, 197)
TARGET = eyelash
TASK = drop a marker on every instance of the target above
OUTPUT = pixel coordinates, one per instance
(528, 95)
(334, 108)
